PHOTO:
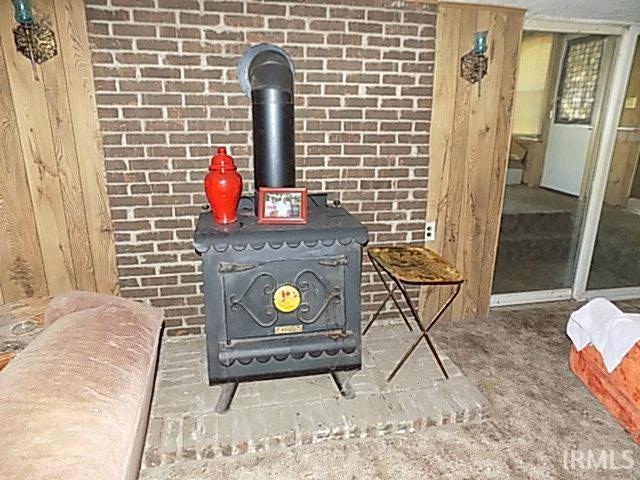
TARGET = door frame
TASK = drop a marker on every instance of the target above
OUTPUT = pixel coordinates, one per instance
(611, 113)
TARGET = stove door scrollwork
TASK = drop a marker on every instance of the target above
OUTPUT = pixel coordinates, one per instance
(312, 288)
(263, 298)
(263, 285)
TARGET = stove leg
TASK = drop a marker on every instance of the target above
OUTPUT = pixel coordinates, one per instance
(343, 384)
(226, 397)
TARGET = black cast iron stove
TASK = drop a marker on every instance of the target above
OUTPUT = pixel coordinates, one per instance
(280, 300)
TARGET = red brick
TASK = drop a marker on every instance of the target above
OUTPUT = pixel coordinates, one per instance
(133, 30)
(307, 11)
(243, 21)
(152, 16)
(179, 4)
(221, 6)
(137, 58)
(106, 15)
(286, 23)
(187, 18)
(157, 45)
(266, 9)
(365, 27)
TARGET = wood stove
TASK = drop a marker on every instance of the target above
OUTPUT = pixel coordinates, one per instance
(247, 265)
(280, 300)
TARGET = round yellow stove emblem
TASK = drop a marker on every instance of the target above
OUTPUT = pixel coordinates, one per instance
(286, 298)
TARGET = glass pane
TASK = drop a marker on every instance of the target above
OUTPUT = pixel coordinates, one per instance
(538, 240)
(579, 81)
(616, 259)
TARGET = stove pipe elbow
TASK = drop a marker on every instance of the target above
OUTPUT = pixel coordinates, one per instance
(266, 75)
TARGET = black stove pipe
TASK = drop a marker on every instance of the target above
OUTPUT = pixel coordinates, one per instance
(266, 74)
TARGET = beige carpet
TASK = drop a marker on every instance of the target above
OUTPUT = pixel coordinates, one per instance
(540, 412)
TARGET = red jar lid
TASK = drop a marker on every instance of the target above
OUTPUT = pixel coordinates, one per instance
(222, 161)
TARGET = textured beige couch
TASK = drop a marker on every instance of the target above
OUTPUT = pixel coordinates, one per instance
(74, 404)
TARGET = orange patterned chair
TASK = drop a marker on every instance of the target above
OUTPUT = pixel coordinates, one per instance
(618, 391)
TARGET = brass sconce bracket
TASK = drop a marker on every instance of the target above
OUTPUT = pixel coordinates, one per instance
(36, 42)
(473, 67)
(33, 39)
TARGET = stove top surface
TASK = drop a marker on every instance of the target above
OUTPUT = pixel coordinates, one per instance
(323, 223)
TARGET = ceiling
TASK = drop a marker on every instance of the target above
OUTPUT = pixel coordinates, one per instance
(618, 11)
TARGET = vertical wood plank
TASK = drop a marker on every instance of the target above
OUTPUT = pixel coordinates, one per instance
(450, 190)
(469, 149)
(447, 41)
(30, 105)
(74, 42)
(452, 197)
(513, 38)
(22, 273)
(452, 193)
(448, 24)
(480, 165)
(53, 78)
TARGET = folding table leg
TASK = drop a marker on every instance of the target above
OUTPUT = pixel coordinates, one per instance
(375, 315)
(390, 291)
(424, 334)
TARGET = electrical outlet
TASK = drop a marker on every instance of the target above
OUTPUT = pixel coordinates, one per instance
(430, 231)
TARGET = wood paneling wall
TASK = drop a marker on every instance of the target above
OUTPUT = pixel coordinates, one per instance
(56, 230)
(470, 136)
(624, 163)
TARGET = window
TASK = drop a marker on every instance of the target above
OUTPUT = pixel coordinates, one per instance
(531, 88)
(579, 82)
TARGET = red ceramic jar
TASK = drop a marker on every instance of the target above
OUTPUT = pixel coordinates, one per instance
(223, 186)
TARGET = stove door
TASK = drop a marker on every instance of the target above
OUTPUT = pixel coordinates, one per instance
(284, 296)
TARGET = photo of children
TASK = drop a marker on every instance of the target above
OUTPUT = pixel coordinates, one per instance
(282, 205)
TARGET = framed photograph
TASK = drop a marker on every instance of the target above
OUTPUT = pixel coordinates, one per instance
(282, 205)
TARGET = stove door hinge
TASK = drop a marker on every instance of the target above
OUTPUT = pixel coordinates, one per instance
(227, 267)
(337, 334)
(333, 262)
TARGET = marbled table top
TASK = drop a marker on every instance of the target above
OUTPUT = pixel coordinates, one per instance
(415, 264)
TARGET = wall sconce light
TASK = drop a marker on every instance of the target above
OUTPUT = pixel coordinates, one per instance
(33, 39)
(473, 64)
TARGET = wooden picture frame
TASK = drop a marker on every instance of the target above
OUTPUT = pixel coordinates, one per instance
(282, 206)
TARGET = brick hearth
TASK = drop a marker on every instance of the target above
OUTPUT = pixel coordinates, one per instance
(304, 410)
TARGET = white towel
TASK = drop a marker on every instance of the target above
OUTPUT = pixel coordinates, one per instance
(612, 332)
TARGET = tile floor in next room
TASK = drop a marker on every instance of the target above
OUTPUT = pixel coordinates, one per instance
(539, 412)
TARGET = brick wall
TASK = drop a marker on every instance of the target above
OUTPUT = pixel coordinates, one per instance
(168, 95)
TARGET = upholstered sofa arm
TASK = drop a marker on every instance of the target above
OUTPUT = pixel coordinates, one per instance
(74, 404)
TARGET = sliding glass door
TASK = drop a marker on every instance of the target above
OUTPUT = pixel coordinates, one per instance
(560, 90)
